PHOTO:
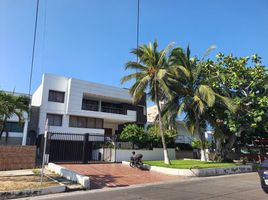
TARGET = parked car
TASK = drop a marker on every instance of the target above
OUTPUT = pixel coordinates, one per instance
(263, 173)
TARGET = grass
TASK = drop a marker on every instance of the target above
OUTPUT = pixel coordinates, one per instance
(10, 183)
(189, 164)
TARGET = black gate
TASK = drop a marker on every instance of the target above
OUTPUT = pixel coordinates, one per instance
(75, 148)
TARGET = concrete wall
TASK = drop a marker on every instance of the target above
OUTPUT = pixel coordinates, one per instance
(155, 154)
(17, 157)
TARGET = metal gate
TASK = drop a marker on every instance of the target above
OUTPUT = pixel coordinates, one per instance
(76, 148)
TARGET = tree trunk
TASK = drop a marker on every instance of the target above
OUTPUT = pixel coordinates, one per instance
(228, 147)
(166, 157)
(3, 127)
(202, 139)
(222, 149)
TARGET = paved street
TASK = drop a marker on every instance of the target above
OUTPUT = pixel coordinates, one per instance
(236, 187)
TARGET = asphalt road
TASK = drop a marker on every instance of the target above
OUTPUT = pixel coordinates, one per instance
(237, 187)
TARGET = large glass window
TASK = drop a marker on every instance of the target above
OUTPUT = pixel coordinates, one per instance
(85, 122)
(81, 122)
(14, 127)
(56, 96)
(99, 123)
(54, 120)
(91, 123)
(88, 104)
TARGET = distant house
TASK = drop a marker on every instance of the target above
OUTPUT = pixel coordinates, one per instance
(183, 135)
(17, 132)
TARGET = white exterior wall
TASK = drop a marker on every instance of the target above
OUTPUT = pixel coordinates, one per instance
(155, 154)
(74, 90)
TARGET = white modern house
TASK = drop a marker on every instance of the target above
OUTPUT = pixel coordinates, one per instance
(76, 106)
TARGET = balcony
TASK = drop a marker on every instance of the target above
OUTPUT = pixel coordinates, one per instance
(88, 106)
(106, 109)
(114, 110)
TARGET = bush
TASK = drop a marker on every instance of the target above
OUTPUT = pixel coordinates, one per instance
(155, 137)
(135, 134)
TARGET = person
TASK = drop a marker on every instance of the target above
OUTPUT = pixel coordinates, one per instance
(132, 158)
(135, 157)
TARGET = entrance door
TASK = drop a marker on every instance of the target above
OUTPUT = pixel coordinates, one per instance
(108, 132)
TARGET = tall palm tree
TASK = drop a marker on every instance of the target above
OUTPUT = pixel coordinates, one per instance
(11, 105)
(150, 78)
(190, 93)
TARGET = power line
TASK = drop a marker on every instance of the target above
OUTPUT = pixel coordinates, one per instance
(33, 50)
(138, 26)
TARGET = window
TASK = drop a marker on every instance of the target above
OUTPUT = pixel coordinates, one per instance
(85, 122)
(99, 123)
(54, 120)
(88, 104)
(14, 127)
(56, 96)
(90, 123)
(81, 122)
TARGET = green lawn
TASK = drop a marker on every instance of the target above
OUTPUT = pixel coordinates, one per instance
(187, 164)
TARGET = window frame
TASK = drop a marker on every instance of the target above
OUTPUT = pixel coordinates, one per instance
(86, 125)
(52, 97)
(53, 124)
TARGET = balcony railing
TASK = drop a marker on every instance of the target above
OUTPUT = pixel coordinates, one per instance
(107, 109)
(87, 106)
(112, 110)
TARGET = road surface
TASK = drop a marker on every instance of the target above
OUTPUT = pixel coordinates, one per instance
(236, 187)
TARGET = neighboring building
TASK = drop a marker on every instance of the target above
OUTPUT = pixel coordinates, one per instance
(17, 132)
(183, 135)
(79, 107)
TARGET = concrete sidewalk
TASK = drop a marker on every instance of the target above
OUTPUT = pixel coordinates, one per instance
(22, 172)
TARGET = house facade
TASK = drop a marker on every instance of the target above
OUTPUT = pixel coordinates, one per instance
(78, 107)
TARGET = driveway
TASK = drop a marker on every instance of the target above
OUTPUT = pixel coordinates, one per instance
(118, 175)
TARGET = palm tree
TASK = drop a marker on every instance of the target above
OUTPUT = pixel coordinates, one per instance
(11, 105)
(190, 93)
(150, 78)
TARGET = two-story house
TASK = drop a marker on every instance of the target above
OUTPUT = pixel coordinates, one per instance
(79, 107)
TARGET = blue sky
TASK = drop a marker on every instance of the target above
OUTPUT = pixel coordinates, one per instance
(91, 39)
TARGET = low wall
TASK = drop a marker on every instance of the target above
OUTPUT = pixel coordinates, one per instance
(17, 157)
(200, 172)
(70, 175)
(155, 154)
(184, 154)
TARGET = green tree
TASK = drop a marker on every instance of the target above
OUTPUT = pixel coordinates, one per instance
(11, 105)
(245, 80)
(155, 137)
(192, 93)
(150, 78)
(135, 134)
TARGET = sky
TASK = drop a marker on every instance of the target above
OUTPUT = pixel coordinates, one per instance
(91, 39)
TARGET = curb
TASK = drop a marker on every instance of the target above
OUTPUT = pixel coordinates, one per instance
(70, 175)
(199, 172)
(32, 192)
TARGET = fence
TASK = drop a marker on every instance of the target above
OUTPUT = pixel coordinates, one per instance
(17, 157)
(75, 148)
